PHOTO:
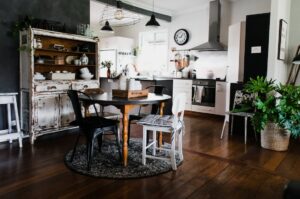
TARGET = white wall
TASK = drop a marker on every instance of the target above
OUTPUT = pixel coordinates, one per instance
(294, 37)
(196, 22)
(241, 8)
(277, 69)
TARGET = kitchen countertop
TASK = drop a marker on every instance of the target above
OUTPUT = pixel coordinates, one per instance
(164, 78)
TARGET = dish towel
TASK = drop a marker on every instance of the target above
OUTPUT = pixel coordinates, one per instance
(199, 94)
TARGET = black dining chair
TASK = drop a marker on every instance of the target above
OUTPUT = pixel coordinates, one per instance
(93, 127)
(158, 90)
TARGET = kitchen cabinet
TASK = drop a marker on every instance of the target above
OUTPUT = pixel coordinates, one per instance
(67, 114)
(256, 46)
(236, 52)
(184, 86)
(220, 98)
(45, 112)
(203, 109)
(45, 106)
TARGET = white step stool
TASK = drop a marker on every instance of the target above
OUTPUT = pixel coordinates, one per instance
(8, 134)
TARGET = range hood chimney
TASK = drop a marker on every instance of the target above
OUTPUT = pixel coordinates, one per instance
(213, 43)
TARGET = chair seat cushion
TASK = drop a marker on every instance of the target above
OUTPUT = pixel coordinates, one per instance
(157, 120)
(95, 122)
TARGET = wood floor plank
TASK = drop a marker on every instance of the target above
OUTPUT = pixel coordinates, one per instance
(212, 168)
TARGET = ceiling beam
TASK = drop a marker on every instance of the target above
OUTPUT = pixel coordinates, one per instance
(137, 9)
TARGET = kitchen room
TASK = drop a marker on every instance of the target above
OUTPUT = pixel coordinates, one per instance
(162, 92)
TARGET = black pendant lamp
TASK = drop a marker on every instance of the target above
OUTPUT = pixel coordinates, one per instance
(107, 27)
(152, 22)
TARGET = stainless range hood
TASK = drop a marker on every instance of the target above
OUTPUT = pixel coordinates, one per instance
(213, 43)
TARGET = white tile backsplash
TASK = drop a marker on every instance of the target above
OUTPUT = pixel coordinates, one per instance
(215, 61)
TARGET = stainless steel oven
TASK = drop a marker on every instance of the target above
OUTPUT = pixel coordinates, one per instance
(204, 92)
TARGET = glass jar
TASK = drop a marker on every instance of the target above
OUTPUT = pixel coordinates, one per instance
(39, 43)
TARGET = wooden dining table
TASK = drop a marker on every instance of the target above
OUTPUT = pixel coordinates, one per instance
(125, 105)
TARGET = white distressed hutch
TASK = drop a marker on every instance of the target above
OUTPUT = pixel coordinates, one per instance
(45, 106)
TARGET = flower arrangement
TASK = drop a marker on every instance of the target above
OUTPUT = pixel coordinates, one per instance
(106, 64)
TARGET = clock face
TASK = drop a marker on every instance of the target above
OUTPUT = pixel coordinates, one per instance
(181, 36)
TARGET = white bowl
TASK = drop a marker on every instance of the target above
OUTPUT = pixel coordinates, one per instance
(86, 76)
(84, 70)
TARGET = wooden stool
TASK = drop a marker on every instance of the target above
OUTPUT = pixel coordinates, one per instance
(8, 134)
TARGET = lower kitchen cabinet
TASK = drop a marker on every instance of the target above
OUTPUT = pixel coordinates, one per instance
(45, 112)
(66, 110)
(184, 86)
(220, 105)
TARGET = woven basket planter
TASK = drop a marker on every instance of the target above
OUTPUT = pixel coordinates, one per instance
(275, 138)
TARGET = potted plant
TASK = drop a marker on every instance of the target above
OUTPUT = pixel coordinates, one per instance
(277, 112)
(107, 64)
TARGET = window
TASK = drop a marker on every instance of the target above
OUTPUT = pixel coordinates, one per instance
(153, 53)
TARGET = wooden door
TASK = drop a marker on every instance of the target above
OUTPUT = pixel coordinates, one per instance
(66, 110)
(46, 112)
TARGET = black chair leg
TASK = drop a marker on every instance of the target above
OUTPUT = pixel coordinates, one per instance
(88, 153)
(74, 149)
(91, 154)
(100, 137)
(89, 140)
(117, 142)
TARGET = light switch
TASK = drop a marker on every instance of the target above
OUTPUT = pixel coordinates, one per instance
(256, 50)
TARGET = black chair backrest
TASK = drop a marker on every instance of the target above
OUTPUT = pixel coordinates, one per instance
(73, 95)
(158, 89)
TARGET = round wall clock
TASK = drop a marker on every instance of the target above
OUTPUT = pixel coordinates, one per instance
(181, 36)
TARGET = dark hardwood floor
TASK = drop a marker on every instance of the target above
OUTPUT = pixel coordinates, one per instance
(212, 168)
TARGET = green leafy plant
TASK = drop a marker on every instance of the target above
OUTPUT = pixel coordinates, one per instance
(23, 23)
(278, 104)
(106, 64)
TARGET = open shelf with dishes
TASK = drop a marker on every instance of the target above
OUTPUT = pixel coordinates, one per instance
(65, 56)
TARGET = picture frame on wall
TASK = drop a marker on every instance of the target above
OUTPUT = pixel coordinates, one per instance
(282, 39)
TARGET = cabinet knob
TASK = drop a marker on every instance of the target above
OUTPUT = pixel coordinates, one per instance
(51, 87)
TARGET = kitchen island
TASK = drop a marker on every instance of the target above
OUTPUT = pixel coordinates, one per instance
(213, 100)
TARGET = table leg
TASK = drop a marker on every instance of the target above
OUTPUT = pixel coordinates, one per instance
(161, 112)
(125, 110)
(86, 109)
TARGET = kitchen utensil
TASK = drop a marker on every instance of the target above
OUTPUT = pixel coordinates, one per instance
(39, 43)
(70, 59)
(40, 61)
(86, 76)
(194, 72)
(61, 76)
(84, 70)
(210, 74)
(59, 60)
(77, 62)
(84, 59)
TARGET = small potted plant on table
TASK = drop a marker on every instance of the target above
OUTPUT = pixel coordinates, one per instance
(107, 64)
(277, 112)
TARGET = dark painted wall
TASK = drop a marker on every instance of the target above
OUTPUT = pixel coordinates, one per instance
(70, 12)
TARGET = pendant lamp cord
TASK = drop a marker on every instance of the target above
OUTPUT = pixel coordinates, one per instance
(153, 6)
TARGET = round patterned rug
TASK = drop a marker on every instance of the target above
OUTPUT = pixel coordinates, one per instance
(108, 165)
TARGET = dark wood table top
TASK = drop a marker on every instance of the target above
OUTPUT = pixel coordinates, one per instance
(107, 99)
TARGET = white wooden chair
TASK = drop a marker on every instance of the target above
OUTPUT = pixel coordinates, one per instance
(8, 134)
(239, 98)
(172, 124)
